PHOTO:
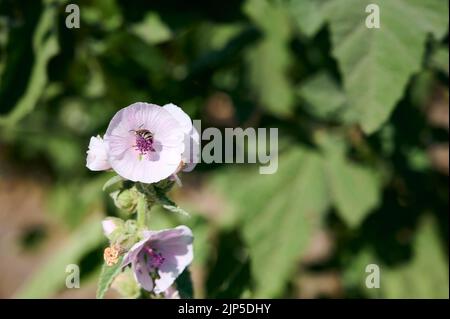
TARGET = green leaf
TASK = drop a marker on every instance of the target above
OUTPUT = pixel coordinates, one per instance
(289, 216)
(277, 214)
(126, 285)
(376, 64)
(168, 204)
(113, 180)
(440, 58)
(106, 14)
(49, 278)
(184, 285)
(107, 277)
(307, 16)
(45, 46)
(176, 209)
(152, 29)
(426, 276)
(324, 99)
(269, 59)
(354, 189)
(354, 274)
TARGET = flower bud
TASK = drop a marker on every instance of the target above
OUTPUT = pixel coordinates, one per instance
(111, 226)
(126, 199)
(126, 235)
(97, 155)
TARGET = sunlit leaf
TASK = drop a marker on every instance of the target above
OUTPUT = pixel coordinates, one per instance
(354, 189)
(277, 214)
(105, 13)
(376, 64)
(107, 276)
(324, 99)
(152, 29)
(307, 15)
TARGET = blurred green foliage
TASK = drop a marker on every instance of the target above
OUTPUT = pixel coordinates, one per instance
(350, 104)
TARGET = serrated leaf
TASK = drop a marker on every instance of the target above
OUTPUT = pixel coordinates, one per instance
(376, 64)
(48, 279)
(107, 276)
(354, 189)
(176, 209)
(168, 204)
(323, 97)
(277, 214)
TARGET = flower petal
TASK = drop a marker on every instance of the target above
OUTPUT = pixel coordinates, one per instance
(176, 247)
(191, 139)
(142, 273)
(97, 155)
(168, 140)
(136, 249)
(181, 117)
(110, 224)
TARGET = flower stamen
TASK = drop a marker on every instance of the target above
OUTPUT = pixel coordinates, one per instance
(144, 141)
(111, 255)
(155, 259)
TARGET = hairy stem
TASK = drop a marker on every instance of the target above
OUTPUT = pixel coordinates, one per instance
(142, 210)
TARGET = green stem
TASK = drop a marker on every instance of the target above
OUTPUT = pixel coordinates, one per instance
(142, 212)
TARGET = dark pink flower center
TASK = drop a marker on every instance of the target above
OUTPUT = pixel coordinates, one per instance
(155, 259)
(144, 141)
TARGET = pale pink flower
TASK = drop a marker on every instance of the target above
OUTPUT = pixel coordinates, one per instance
(191, 137)
(97, 155)
(162, 255)
(110, 224)
(145, 143)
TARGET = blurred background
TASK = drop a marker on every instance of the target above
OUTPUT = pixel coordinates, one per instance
(363, 141)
